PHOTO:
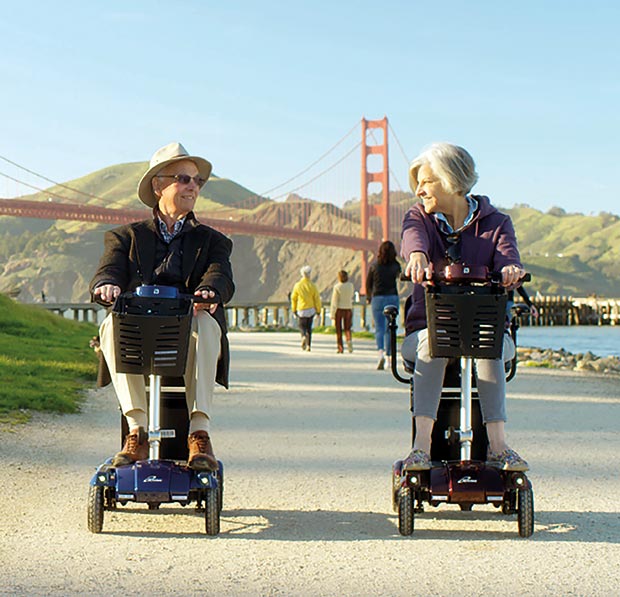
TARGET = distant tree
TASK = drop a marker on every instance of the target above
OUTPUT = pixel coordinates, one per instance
(557, 211)
(607, 219)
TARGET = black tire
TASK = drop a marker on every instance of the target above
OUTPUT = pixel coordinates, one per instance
(95, 509)
(212, 512)
(525, 512)
(395, 483)
(220, 489)
(405, 512)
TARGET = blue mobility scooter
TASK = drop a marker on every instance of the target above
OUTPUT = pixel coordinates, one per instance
(466, 314)
(152, 328)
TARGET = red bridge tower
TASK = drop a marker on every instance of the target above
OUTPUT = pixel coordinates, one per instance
(381, 210)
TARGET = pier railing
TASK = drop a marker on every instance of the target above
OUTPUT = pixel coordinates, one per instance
(552, 310)
(273, 314)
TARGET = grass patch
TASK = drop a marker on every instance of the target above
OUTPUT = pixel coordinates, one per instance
(45, 361)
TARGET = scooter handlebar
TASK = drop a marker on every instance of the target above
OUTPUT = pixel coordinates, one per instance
(160, 292)
(494, 277)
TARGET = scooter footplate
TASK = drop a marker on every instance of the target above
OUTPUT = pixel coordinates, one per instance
(466, 482)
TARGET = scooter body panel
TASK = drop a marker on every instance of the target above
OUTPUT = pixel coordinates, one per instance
(160, 481)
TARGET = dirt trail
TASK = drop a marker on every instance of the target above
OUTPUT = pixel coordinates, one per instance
(308, 440)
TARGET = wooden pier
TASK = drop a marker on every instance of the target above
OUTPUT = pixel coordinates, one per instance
(562, 310)
(552, 310)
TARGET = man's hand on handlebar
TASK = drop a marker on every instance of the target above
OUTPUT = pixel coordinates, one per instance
(512, 274)
(107, 293)
(206, 294)
(418, 268)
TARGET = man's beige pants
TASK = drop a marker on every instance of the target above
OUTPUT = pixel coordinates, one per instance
(202, 357)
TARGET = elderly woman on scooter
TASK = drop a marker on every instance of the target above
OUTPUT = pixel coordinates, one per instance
(451, 221)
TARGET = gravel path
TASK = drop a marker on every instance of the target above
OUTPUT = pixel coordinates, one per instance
(308, 440)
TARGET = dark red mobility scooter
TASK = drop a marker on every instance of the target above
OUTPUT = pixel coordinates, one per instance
(152, 328)
(466, 311)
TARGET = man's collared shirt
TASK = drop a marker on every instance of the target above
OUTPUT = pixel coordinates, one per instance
(163, 229)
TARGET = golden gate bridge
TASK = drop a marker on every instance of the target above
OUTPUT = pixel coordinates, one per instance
(297, 219)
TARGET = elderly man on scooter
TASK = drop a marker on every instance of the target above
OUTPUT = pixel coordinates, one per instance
(173, 249)
(451, 222)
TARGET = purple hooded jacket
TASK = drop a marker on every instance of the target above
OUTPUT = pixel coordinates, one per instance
(489, 239)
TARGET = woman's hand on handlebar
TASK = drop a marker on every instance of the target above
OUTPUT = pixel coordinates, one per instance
(206, 294)
(418, 268)
(512, 274)
(107, 293)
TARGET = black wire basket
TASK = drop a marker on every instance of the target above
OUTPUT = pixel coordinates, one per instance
(466, 321)
(151, 335)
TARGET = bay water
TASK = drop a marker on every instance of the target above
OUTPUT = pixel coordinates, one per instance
(603, 340)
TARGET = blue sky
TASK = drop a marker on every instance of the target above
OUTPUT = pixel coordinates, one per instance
(530, 88)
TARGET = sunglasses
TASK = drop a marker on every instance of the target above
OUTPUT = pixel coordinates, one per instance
(185, 179)
(453, 252)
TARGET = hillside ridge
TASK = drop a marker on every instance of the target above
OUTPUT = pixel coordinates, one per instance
(567, 253)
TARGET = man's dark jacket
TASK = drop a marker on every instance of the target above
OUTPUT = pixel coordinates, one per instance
(128, 261)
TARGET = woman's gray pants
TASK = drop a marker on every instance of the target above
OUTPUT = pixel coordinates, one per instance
(429, 373)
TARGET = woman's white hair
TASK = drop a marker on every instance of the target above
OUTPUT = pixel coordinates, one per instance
(452, 164)
(306, 270)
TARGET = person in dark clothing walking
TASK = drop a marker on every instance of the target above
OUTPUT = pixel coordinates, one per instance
(381, 291)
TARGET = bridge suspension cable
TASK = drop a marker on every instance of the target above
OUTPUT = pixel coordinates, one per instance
(346, 155)
(407, 159)
(17, 180)
(265, 193)
(58, 184)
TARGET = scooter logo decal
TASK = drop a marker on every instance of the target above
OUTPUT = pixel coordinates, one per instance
(467, 479)
(154, 479)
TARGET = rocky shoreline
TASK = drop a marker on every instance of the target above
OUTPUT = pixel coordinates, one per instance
(562, 359)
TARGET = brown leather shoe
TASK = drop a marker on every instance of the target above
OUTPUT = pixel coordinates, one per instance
(136, 447)
(201, 457)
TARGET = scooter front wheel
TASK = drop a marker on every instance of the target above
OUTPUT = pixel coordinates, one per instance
(95, 509)
(525, 512)
(405, 512)
(220, 486)
(212, 512)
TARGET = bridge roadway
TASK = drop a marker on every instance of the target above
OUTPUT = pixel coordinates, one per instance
(92, 213)
(308, 440)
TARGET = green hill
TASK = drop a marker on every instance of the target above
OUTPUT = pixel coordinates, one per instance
(116, 186)
(568, 254)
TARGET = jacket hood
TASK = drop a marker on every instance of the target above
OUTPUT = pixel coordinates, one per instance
(484, 206)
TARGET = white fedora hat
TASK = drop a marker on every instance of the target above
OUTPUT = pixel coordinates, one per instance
(173, 152)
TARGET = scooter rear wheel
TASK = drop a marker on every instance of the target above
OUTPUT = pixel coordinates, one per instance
(405, 512)
(525, 512)
(212, 512)
(95, 509)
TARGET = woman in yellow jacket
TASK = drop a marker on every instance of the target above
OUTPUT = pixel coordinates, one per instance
(305, 303)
